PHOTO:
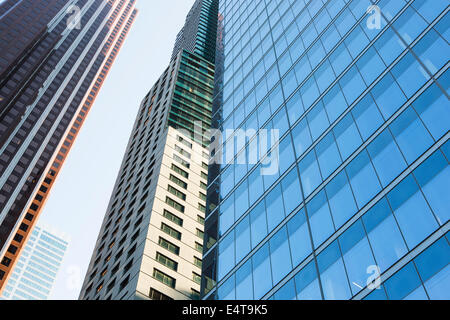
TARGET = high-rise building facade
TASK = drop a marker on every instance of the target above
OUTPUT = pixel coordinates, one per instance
(54, 58)
(358, 206)
(35, 272)
(151, 242)
(199, 32)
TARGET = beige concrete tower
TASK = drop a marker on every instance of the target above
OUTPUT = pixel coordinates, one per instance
(151, 242)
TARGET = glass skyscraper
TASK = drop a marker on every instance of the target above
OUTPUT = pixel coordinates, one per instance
(199, 32)
(358, 207)
(39, 263)
(54, 59)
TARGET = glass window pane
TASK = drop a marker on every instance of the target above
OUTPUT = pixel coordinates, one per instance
(377, 294)
(255, 185)
(332, 274)
(226, 256)
(417, 294)
(370, 65)
(386, 157)
(243, 245)
(434, 178)
(432, 107)
(302, 69)
(262, 274)
(330, 38)
(356, 41)
(227, 181)
(307, 284)
(347, 136)
(409, 74)
(309, 173)
(320, 218)
(340, 59)
(294, 108)
(324, 76)
(357, 256)
(411, 135)
(316, 54)
(318, 120)
(389, 46)
(334, 103)
(402, 283)
(244, 282)
(280, 255)
(352, 84)
(437, 286)
(328, 155)
(429, 9)
(241, 200)
(302, 137)
(442, 26)
(286, 156)
(434, 269)
(226, 218)
(287, 292)
(299, 238)
(280, 122)
(412, 212)
(431, 49)
(275, 209)
(291, 191)
(341, 200)
(290, 83)
(227, 290)
(284, 63)
(410, 25)
(388, 96)
(270, 168)
(363, 179)
(264, 112)
(384, 235)
(367, 117)
(258, 225)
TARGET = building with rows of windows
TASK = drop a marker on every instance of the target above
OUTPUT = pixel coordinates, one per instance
(55, 57)
(37, 268)
(150, 245)
(358, 92)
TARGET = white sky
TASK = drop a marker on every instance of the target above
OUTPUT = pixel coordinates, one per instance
(80, 196)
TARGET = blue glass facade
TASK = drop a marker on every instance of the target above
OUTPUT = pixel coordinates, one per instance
(363, 178)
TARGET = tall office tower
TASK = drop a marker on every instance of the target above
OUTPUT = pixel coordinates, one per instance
(151, 241)
(39, 263)
(200, 30)
(54, 58)
(358, 91)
